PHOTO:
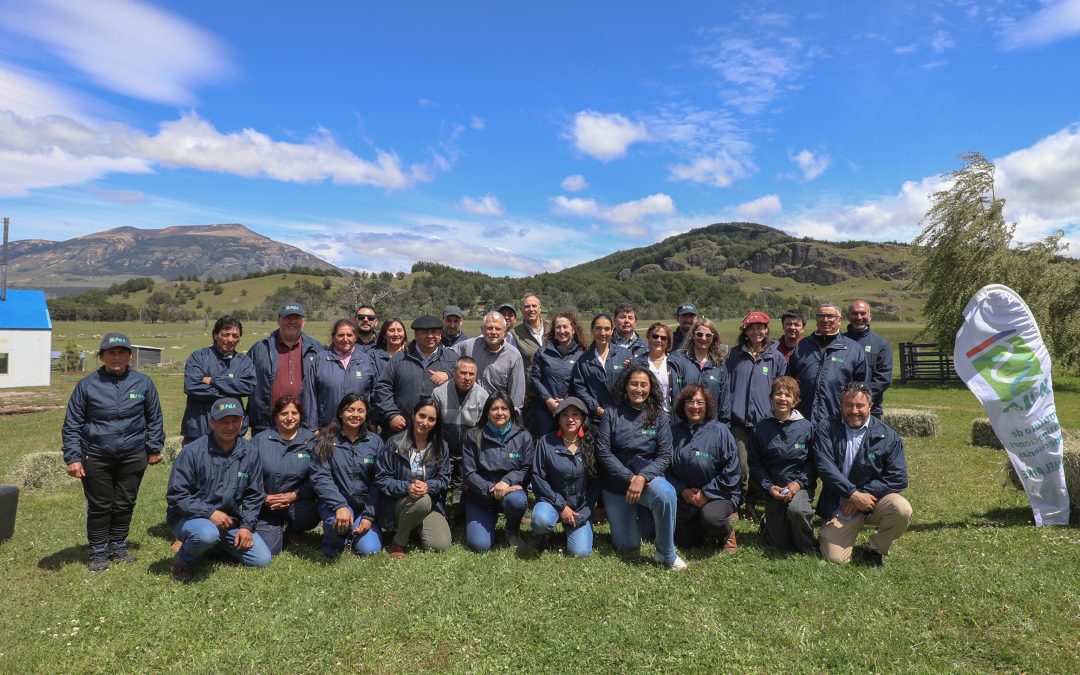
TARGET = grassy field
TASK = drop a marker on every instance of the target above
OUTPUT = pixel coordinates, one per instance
(972, 587)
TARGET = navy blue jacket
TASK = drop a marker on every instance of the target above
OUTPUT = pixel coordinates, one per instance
(780, 452)
(704, 456)
(327, 381)
(822, 375)
(234, 376)
(486, 460)
(461, 337)
(677, 337)
(551, 371)
(751, 381)
(367, 346)
(714, 377)
(559, 478)
(625, 448)
(878, 353)
(393, 476)
(403, 380)
(676, 376)
(111, 416)
(636, 345)
(348, 477)
(264, 357)
(880, 467)
(594, 383)
(205, 479)
(286, 465)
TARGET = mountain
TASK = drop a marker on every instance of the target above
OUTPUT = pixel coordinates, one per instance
(103, 258)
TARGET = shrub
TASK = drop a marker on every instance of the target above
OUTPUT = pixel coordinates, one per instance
(908, 422)
(40, 471)
(982, 434)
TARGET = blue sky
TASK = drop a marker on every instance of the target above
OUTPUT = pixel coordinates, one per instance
(515, 139)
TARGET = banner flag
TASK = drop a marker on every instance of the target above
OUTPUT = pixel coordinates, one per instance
(1001, 357)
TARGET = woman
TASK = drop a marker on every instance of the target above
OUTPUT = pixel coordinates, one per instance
(704, 471)
(112, 431)
(496, 460)
(597, 372)
(552, 366)
(753, 365)
(286, 466)
(412, 473)
(633, 448)
(564, 479)
(392, 339)
(342, 369)
(343, 476)
(782, 466)
(702, 359)
(215, 372)
(668, 372)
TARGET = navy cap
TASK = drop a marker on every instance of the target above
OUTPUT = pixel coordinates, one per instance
(226, 407)
(291, 308)
(568, 402)
(509, 306)
(115, 340)
(451, 310)
(686, 308)
(427, 322)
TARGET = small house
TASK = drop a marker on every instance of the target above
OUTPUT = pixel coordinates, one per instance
(25, 340)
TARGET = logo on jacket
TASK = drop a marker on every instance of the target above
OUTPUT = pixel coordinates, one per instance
(836, 359)
(764, 370)
(136, 395)
(303, 455)
(866, 349)
(514, 455)
(242, 475)
(359, 374)
(1007, 365)
(649, 432)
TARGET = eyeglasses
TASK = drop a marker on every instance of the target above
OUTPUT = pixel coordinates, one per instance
(827, 317)
(702, 334)
(695, 403)
(365, 317)
(660, 337)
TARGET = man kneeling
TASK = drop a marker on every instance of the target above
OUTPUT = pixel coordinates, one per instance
(215, 493)
(860, 461)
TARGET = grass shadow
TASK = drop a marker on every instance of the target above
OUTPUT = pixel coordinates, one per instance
(160, 531)
(67, 556)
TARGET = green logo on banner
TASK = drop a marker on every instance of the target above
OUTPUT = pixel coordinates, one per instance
(1009, 367)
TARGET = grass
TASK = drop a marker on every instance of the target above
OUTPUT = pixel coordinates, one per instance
(973, 587)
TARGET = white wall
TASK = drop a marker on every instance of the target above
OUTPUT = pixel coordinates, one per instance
(28, 358)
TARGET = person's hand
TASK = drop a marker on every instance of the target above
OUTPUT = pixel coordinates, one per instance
(775, 491)
(221, 519)
(699, 499)
(281, 500)
(551, 404)
(439, 377)
(859, 502)
(499, 490)
(633, 493)
(599, 411)
(397, 423)
(362, 528)
(568, 516)
(207, 379)
(75, 470)
(154, 458)
(417, 489)
(342, 519)
(793, 489)
(243, 541)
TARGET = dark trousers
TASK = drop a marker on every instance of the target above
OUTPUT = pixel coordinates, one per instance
(787, 525)
(111, 485)
(694, 525)
(751, 491)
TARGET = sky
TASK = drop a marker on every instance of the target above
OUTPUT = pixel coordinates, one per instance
(517, 138)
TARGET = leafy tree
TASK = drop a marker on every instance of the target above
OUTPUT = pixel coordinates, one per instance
(70, 359)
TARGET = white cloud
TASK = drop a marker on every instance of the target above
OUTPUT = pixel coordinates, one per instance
(26, 95)
(1056, 21)
(626, 216)
(718, 170)
(191, 143)
(812, 165)
(488, 205)
(605, 136)
(126, 46)
(477, 123)
(123, 196)
(762, 206)
(755, 72)
(575, 183)
(575, 206)
(942, 42)
(904, 50)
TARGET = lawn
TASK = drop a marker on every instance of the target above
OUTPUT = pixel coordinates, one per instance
(973, 586)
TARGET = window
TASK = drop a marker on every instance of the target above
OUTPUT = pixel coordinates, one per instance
(3, 364)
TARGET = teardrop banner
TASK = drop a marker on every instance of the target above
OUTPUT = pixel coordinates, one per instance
(1001, 357)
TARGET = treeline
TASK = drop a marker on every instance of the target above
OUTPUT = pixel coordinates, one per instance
(258, 274)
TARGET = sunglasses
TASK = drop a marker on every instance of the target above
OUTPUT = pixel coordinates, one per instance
(702, 334)
(365, 317)
(660, 337)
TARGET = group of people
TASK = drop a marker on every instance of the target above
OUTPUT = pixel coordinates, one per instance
(667, 437)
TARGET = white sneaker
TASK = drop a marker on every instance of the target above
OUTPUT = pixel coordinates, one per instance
(676, 565)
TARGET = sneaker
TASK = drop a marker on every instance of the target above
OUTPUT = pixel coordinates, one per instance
(514, 540)
(180, 573)
(676, 565)
(176, 545)
(730, 545)
(99, 562)
(397, 551)
(120, 554)
(872, 558)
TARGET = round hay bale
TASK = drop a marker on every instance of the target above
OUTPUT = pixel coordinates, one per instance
(40, 471)
(172, 447)
(982, 434)
(909, 422)
(1071, 462)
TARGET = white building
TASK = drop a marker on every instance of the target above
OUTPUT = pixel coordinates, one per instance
(25, 340)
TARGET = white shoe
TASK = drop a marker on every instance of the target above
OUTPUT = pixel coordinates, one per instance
(676, 565)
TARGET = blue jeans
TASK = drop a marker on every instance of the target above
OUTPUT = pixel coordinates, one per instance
(578, 539)
(480, 520)
(301, 516)
(200, 535)
(333, 542)
(659, 498)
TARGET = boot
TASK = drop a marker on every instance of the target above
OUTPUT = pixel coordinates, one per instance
(180, 573)
(730, 545)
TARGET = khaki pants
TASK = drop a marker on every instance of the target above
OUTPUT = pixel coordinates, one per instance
(434, 530)
(891, 515)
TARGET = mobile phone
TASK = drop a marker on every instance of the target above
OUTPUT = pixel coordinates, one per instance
(785, 492)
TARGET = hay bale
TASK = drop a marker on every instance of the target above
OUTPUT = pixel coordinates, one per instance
(172, 447)
(1071, 462)
(40, 471)
(982, 434)
(907, 422)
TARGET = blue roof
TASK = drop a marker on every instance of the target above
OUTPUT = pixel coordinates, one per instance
(24, 310)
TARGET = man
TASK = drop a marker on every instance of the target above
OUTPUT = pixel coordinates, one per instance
(625, 331)
(279, 361)
(498, 366)
(215, 493)
(461, 401)
(451, 326)
(509, 315)
(686, 315)
(367, 324)
(822, 364)
(794, 322)
(862, 467)
(529, 337)
(412, 373)
(876, 349)
(215, 372)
